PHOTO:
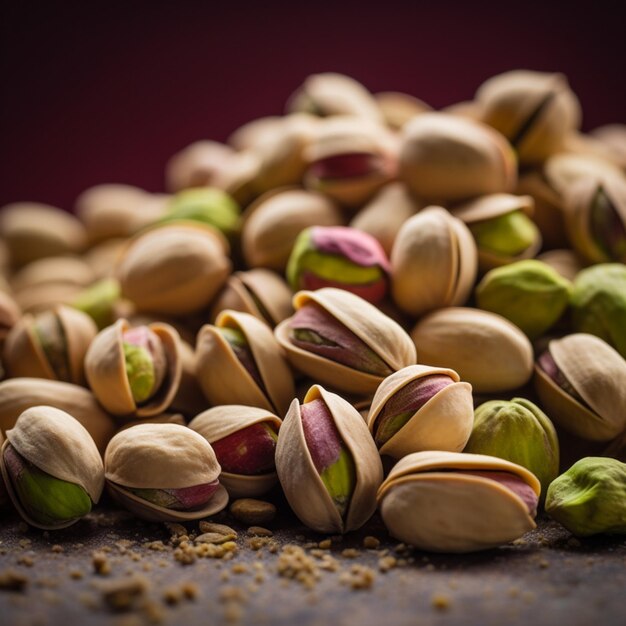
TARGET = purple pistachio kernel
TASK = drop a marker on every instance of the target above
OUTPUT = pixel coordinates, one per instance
(355, 245)
(320, 433)
(513, 483)
(548, 365)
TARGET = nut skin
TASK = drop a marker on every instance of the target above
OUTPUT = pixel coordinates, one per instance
(588, 398)
(161, 457)
(598, 303)
(220, 425)
(433, 262)
(61, 451)
(456, 502)
(520, 432)
(590, 497)
(528, 293)
(442, 421)
(304, 488)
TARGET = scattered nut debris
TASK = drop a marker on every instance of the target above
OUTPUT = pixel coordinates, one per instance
(214, 538)
(253, 512)
(222, 529)
(101, 564)
(12, 581)
(358, 577)
(371, 543)
(124, 594)
(441, 602)
(259, 531)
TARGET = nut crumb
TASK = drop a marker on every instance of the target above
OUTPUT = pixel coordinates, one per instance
(386, 563)
(371, 543)
(250, 511)
(350, 553)
(123, 595)
(57, 549)
(259, 531)
(358, 577)
(222, 529)
(101, 564)
(441, 602)
(214, 537)
(325, 544)
(12, 581)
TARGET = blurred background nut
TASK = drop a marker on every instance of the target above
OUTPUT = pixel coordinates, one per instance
(445, 158)
(73, 271)
(342, 257)
(533, 110)
(520, 432)
(398, 108)
(102, 301)
(174, 269)
(421, 408)
(272, 224)
(51, 468)
(433, 262)
(581, 382)
(327, 463)
(9, 315)
(566, 262)
(485, 349)
(613, 136)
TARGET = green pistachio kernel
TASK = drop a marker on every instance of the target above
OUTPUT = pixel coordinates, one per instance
(507, 235)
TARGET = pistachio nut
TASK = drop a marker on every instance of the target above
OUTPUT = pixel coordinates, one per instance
(433, 262)
(104, 257)
(51, 467)
(613, 137)
(197, 165)
(581, 382)
(457, 502)
(349, 159)
(501, 227)
(244, 441)
(446, 158)
(206, 205)
(62, 269)
(342, 257)
(383, 216)
(174, 269)
(50, 345)
(164, 473)
(486, 350)
(19, 394)
(598, 303)
(259, 292)
(520, 432)
(331, 94)
(45, 296)
(274, 221)
(590, 497)
(113, 210)
(528, 293)
(254, 132)
(34, 231)
(327, 463)
(595, 216)
(134, 371)
(240, 177)
(239, 361)
(341, 340)
(101, 301)
(9, 315)
(398, 108)
(421, 408)
(470, 109)
(533, 110)
(564, 261)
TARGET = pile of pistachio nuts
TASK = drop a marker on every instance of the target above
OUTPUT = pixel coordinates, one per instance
(372, 304)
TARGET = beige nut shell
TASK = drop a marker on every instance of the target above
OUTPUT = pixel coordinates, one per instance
(9, 314)
(379, 332)
(443, 423)
(175, 268)
(433, 262)
(61, 269)
(300, 480)
(225, 380)
(58, 444)
(105, 369)
(486, 350)
(221, 421)
(425, 503)
(598, 374)
(161, 456)
(24, 355)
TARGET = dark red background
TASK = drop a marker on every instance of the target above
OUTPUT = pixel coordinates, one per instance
(105, 92)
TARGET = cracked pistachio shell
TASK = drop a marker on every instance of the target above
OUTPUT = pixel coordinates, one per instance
(330, 94)
(430, 502)
(300, 480)
(350, 159)
(161, 456)
(274, 221)
(376, 330)
(105, 369)
(595, 217)
(19, 394)
(535, 111)
(223, 377)
(487, 351)
(433, 262)
(62, 269)
(25, 352)
(197, 165)
(56, 443)
(491, 207)
(597, 373)
(590, 498)
(613, 138)
(598, 303)
(174, 269)
(398, 108)
(221, 421)
(9, 315)
(443, 423)
(34, 231)
(259, 292)
(445, 158)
